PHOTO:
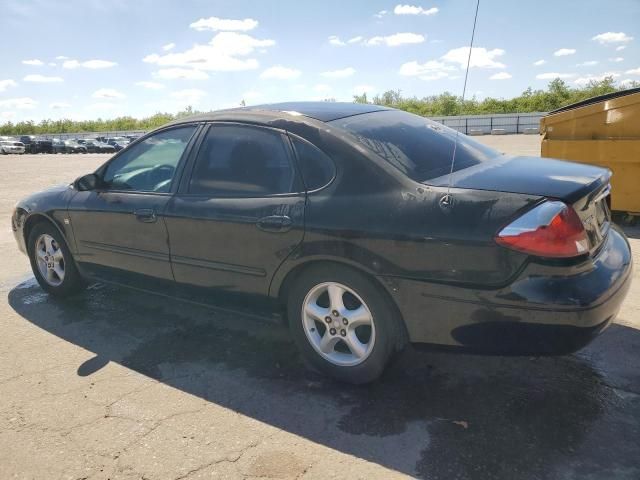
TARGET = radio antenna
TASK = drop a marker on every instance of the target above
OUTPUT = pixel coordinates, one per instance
(446, 200)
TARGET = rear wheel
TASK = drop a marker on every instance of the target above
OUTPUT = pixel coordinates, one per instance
(51, 261)
(343, 324)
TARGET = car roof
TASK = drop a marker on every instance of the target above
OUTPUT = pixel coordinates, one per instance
(322, 111)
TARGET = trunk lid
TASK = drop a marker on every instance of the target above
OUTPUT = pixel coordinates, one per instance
(584, 187)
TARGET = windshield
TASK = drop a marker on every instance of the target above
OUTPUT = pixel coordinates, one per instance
(420, 148)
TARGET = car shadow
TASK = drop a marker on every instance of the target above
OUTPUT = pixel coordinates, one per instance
(432, 415)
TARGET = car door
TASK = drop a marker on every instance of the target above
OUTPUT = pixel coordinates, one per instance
(119, 228)
(239, 213)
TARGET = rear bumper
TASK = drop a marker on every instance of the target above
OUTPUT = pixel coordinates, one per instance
(547, 309)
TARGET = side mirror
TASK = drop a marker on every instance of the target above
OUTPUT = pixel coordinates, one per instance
(87, 182)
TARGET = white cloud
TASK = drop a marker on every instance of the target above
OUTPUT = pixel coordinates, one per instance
(626, 83)
(189, 95)
(413, 10)
(168, 46)
(223, 53)
(500, 76)
(616, 59)
(390, 40)
(107, 93)
(342, 73)
(7, 115)
(589, 63)
(4, 84)
(554, 75)
(97, 64)
(150, 85)
(34, 62)
(480, 57)
(381, 14)
(634, 71)
(619, 48)
(183, 73)
(563, 52)
(612, 37)
(396, 40)
(280, 73)
(20, 103)
(335, 41)
(368, 89)
(42, 79)
(59, 105)
(62, 57)
(430, 70)
(52, 64)
(582, 81)
(215, 24)
(90, 64)
(539, 62)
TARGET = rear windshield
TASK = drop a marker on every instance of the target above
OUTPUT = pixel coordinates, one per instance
(420, 148)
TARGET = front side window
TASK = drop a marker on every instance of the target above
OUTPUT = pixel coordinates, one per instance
(422, 149)
(150, 165)
(243, 161)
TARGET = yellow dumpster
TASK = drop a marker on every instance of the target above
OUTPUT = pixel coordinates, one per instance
(601, 131)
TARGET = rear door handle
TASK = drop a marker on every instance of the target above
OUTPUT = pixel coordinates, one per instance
(146, 215)
(275, 223)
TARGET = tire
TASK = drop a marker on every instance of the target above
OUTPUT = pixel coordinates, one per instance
(70, 282)
(378, 340)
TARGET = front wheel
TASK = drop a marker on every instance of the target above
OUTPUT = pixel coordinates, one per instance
(52, 263)
(344, 324)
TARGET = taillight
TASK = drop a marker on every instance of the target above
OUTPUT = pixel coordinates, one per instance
(552, 229)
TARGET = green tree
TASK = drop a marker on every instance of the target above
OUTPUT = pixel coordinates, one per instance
(556, 95)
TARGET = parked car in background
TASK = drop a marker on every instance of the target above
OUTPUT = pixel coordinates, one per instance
(120, 143)
(67, 146)
(93, 145)
(29, 142)
(11, 146)
(353, 220)
(74, 147)
(42, 145)
(58, 146)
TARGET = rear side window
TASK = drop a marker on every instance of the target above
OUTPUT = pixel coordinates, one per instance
(236, 160)
(317, 168)
(422, 149)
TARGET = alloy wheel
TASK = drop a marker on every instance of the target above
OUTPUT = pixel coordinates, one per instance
(338, 324)
(50, 260)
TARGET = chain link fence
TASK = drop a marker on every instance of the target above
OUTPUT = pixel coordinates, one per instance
(500, 123)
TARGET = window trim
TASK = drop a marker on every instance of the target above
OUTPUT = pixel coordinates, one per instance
(298, 184)
(182, 162)
(291, 137)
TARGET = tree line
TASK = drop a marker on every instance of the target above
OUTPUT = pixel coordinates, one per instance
(556, 95)
(99, 125)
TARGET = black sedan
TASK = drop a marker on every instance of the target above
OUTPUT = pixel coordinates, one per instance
(95, 146)
(67, 146)
(353, 221)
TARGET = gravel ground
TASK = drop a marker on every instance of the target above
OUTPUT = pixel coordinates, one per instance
(120, 384)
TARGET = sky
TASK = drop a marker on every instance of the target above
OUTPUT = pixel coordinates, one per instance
(86, 59)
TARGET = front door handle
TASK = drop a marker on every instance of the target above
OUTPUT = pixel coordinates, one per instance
(146, 215)
(275, 223)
